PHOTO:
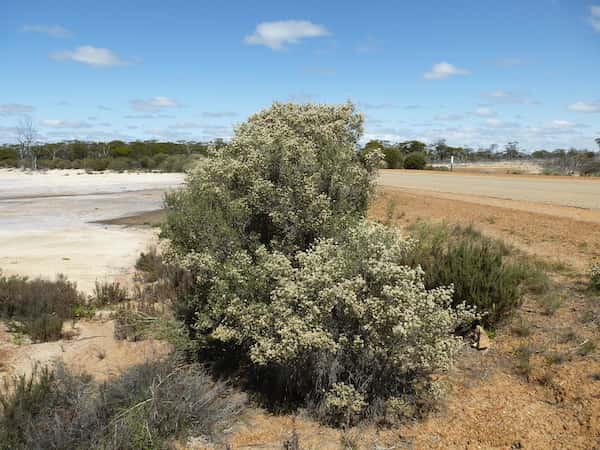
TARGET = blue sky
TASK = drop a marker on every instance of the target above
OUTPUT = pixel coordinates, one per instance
(473, 72)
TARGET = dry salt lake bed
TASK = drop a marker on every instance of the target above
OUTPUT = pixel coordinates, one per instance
(49, 222)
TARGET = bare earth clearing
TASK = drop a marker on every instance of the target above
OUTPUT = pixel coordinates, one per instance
(489, 405)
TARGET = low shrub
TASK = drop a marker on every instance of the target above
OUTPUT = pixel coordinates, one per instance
(485, 273)
(38, 307)
(591, 168)
(148, 407)
(415, 160)
(595, 277)
(109, 293)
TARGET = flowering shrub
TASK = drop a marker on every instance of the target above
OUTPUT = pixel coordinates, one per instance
(345, 312)
(292, 285)
(290, 175)
(595, 276)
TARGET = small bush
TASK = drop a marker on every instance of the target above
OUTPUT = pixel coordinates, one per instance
(38, 307)
(150, 264)
(109, 293)
(595, 277)
(484, 272)
(415, 160)
(393, 158)
(147, 407)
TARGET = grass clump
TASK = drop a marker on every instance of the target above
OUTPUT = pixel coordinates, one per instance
(38, 307)
(485, 272)
(148, 407)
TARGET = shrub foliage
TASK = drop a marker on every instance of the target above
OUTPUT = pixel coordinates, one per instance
(144, 408)
(291, 284)
(481, 269)
(38, 307)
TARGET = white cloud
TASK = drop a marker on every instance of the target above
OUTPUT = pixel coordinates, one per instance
(485, 112)
(153, 104)
(104, 108)
(218, 114)
(560, 125)
(588, 107)
(50, 30)
(448, 117)
(276, 35)
(9, 109)
(366, 105)
(443, 70)
(501, 96)
(93, 56)
(57, 123)
(595, 17)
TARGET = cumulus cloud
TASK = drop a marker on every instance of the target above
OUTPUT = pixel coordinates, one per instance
(58, 123)
(560, 125)
(104, 108)
(92, 56)
(588, 107)
(10, 109)
(51, 30)
(153, 104)
(443, 70)
(595, 17)
(276, 35)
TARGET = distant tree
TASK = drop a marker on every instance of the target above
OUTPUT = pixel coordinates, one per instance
(597, 141)
(511, 150)
(415, 160)
(26, 136)
(412, 146)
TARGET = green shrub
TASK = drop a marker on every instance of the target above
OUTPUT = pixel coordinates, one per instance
(415, 160)
(109, 293)
(147, 407)
(281, 186)
(346, 313)
(38, 307)
(393, 157)
(482, 270)
(291, 286)
(120, 164)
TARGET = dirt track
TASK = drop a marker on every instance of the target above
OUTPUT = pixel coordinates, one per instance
(560, 191)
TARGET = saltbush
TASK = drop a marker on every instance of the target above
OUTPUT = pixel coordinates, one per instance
(38, 307)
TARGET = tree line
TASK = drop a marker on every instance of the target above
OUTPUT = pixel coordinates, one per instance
(112, 155)
(396, 155)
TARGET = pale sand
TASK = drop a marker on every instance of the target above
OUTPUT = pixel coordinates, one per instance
(46, 222)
